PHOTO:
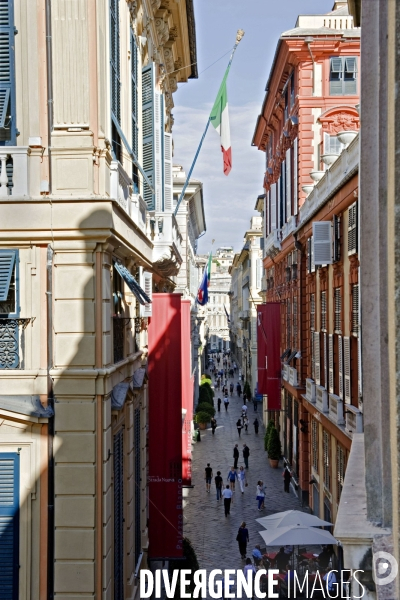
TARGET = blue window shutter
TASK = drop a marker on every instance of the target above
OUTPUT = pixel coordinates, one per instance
(134, 92)
(7, 262)
(115, 60)
(7, 74)
(148, 132)
(9, 525)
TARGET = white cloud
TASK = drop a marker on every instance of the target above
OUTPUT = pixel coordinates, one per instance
(229, 201)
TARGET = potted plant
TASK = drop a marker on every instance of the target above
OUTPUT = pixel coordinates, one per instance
(205, 407)
(205, 396)
(274, 448)
(270, 425)
(202, 418)
(247, 390)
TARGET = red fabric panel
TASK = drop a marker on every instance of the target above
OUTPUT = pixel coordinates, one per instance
(269, 361)
(187, 395)
(165, 428)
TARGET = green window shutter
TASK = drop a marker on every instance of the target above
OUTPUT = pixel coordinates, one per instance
(134, 93)
(9, 525)
(350, 76)
(7, 73)
(148, 132)
(7, 262)
(115, 60)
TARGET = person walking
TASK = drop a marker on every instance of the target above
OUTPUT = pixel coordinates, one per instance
(255, 405)
(244, 398)
(231, 389)
(246, 454)
(244, 409)
(260, 495)
(226, 403)
(208, 476)
(232, 476)
(235, 456)
(242, 538)
(238, 389)
(219, 404)
(246, 423)
(218, 485)
(287, 476)
(256, 425)
(239, 426)
(242, 479)
(227, 496)
(213, 425)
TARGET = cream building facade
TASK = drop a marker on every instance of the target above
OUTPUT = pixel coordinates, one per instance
(218, 303)
(86, 234)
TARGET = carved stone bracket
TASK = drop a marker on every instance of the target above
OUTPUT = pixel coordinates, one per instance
(133, 6)
(337, 275)
(354, 267)
(340, 118)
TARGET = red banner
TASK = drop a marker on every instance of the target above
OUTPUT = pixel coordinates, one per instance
(268, 353)
(165, 428)
(187, 395)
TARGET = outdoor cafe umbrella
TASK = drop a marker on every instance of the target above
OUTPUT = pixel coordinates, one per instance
(289, 518)
(296, 535)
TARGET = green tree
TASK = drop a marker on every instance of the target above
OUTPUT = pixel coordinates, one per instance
(274, 445)
(247, 390)
(205, 407)
(270, 425)
(204, 395)
(203, 417)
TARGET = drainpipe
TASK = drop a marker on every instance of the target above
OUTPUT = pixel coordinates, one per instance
(50, 401)
(49, 70)
(308, 41)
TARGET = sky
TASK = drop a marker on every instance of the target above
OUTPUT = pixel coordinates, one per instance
(229, 201)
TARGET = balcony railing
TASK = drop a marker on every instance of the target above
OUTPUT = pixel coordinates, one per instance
(12, 340)
(14, 172)
(118, 338)
(121, 188)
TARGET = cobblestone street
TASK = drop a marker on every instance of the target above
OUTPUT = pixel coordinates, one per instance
(212, 534)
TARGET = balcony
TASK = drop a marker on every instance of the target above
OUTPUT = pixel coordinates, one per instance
(354, 420)
(285, 372)
(273, 243)
(336, 409)
(121, 190)
(292, 376)
(12, 342)
(14, 173)
(167, 240)
(310, 391)
(288, 227)
(321, 399)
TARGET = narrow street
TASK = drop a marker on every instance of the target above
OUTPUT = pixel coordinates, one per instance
(212, 534)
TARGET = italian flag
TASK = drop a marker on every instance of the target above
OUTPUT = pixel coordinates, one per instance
(219, 118)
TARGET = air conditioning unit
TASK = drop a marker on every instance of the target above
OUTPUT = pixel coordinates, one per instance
(321, 397)
(354, 420)
(285, 372)
(310, 390)
(292, 376)
(336, 412)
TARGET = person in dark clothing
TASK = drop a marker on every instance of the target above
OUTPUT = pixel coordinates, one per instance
(239, 426)
(286, 480)
(255, 405)
(219, 404)
(246, 454)
(235, 456)
(213, 425)
(227, 496)
(242, 539)
(256, 426)
(324, 557)
(239, 389)
(218, 485)
(281, 559)
(208, 476)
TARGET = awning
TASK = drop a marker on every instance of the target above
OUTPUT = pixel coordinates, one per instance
(138, 378)
(286, 353)
(132, 284)
(118, 395)
(291, 357)
(26, 405)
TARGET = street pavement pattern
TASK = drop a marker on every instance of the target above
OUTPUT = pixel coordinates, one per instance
(212, 534)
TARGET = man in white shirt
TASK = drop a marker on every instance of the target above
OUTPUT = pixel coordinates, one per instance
(226, 403)
(330, 582)
(227, 496)
(244, 409)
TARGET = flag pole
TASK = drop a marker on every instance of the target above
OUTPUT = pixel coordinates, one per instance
(239, 35)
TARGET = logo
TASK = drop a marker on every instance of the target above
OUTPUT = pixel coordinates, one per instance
(385, 568)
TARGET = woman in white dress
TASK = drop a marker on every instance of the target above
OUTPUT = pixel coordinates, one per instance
(260, 494)
(242, 479)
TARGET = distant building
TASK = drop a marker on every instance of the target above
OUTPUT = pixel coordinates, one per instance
(218, 304)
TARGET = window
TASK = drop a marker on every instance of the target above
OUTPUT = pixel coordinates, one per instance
(341, 468)
(9, 281)
(292, 90)
(9, 523)
(323, 311)
(312, 312)
(336, 238)
(314, 444)
(343, 76)
(332, 144)
(118, 322)
(115, 76)
(134, 92)
(148, 133)
(118, 515)
(295, 325)
(8, 128)
(289, 323)
(327, 460)
(310, 255)
(352, 235)
(338, 310)
(355, 318)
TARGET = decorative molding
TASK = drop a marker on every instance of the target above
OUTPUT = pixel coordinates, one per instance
(340, 118)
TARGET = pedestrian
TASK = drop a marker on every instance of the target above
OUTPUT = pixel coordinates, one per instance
(256, 426)
(255, 404)
(218, 485)
(235, 456)
(219, 404)
(242, 479)
(246, 454)
(242, 538)
(287, 476)
(260, 495)
(238, 389)
(250, 573)
(244, 398)
(239, 426)
(226, 402)
(246, 423)
(213, 425)
(232, 476)
(227, 496)
(208, 476)
(231, 389)
(244, 409)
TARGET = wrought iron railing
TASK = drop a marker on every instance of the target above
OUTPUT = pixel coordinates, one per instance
(11, 342)
(118, 338)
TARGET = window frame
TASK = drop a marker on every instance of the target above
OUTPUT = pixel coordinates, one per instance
(341, 71)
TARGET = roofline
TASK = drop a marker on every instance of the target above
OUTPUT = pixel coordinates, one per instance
(191, 22)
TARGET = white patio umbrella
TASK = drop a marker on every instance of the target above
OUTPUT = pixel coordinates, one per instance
(296, 536)
(292, 517)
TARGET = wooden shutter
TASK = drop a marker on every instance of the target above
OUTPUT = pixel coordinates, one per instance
(338, 310)
(327, 460)
(352, 237)
(119, 515)
(314, 443)
(323, 311)
(158, 158)
(340, 366)
(168, 191)
(336, 238)
(146, 281)
(288, 176)
(355, 320)
(309, 254)
(336, 76)
(278, 204)
(312, 312)
(148, 132)
(7, 263)
(295, 178)
(331, 364)
(274, 213)
(327, 143)
(347, 370)
(350, 76)
(317, 358)
(115, 60)
(134, 94)
(7, 73)
(9, 525)
(322, 241)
